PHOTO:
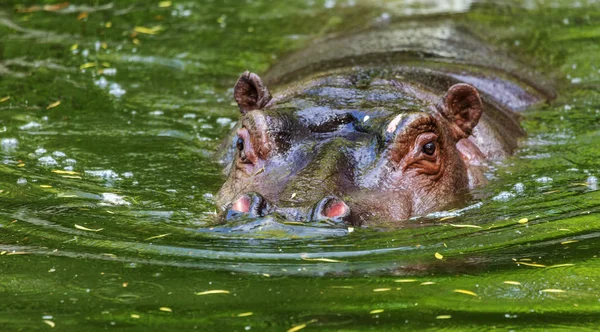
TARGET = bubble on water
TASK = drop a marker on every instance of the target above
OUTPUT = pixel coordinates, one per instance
(59, 154)
(543, 179)
(504, 196)
(30, 125)
(47, 161)
(576, 80)
(208, 197)
(224, 121)
(116, 90)
(189, 116)
(568, 107)
(40, 151)
(70, 161)
(114, 199)
(85, 53)
(110, 71)
(47, 317)
(9, 143)
(68, 168)
(128, 175)
(592, 182)
(171, 190)
(97, 45)
(157, 113)
(105, 174)
(566, 21)
(519, 188)
(101, 82)
(22, 181)
(329, 3)
(442, 214)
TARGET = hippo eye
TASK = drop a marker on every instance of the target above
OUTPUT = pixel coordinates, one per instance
(429, 148)
(240, 144)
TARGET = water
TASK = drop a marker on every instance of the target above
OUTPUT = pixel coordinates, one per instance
(107, 177)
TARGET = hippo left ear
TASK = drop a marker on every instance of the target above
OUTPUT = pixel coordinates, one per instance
(463, 107)
(250, 93)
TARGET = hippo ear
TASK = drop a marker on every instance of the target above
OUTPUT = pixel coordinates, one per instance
(250, 93)
(463, 107)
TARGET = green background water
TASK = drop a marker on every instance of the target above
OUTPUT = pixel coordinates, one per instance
(141, 114)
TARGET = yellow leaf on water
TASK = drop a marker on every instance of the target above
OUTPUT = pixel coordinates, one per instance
(4, 99)
(74, 47)
(523, 221)
(164, 4)
(45, 186)
(88, 229)
(531, 264)
(136, 316)
(87, 65)
(108, 25)
(59, 171)
(443, 317)
(53, 105)
(245, 314)
(426, 283)
(560, 265)
(464, 226)
(82, 15)
(405, 280)
(50, 323)
(466, 292)
(551, 290)
(214, 291)
(165, 309)
(382, 289)
(376, 311)
(148, 31)
(570, 241)
(157, 236)
(438, 255)
(297, 328)
(136, 41)
(516, 283)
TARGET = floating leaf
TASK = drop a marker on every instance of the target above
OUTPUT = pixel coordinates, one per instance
(570, 241)
(88, 229)
(551, 290)
(376, 311)
(245, 314)
(4, 99)
(148, 31)
(466, 292)
(443, 317)
(531, 264)
(53, 105)
(560, 265)
(382, 289)
(165, 309)
(157, 236)
(164, 4)
(405, 280)
(45, 186)
(328, 260)
(523, 221)
(464, 226)
(136, 316)
(297, 328)
(50, 323)
(438, 255)
(516, 283)
(82, 15)
(214, 291)
(428, 283)
(59, 171)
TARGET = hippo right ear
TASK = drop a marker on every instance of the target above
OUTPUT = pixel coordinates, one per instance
(463, 107)
(250, 93)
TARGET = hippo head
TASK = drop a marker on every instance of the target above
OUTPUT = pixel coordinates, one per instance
(333, 150)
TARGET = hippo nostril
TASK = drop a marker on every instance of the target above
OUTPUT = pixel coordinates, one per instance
(251, 204)
(331, 208)
(242, 204)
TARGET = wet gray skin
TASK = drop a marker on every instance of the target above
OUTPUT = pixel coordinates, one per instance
(379, 126)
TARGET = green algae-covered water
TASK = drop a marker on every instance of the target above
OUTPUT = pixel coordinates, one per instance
(110, 113)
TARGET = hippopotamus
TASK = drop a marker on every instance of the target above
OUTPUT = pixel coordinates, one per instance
(382, 125)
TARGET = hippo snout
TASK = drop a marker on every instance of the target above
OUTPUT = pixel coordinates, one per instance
(254, 205)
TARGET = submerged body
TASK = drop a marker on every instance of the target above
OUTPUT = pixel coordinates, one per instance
(380, 130)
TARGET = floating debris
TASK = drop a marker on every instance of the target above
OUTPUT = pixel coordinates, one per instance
(165, 309)
(245, 314)
(297, 328)
(376, 311)
(87, 229)
(165, 4)
(466, 292)
(443, 317)
(136, 316)
(523, 221)
(214, 291)
(516, 283)
(464, 226)
(531, 264)
(552, 290)
(50, 323)
(53, 105)
(4, 99)
(45, 186)
(382, 289)
(560, 265)
(570, 241)
(405, 280)
(438, 255)
(157, 236)
(82, 16)
(327, 260)
(148, 31)
(428, 283)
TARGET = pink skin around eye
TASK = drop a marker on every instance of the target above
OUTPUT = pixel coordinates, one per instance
(242, 204)
(335, 209)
